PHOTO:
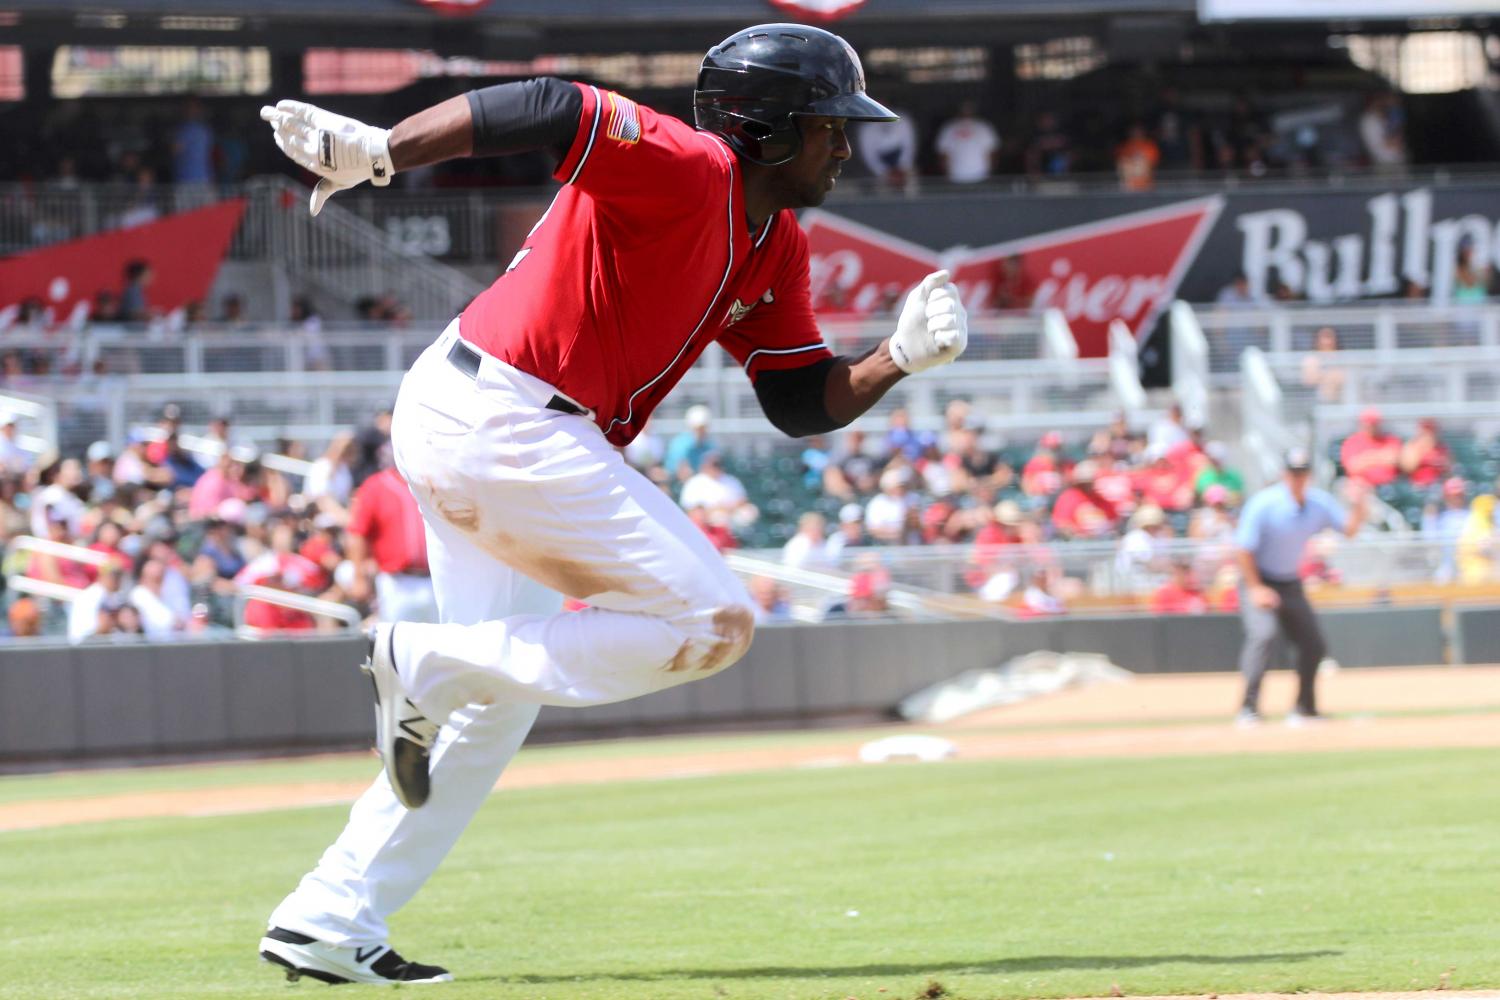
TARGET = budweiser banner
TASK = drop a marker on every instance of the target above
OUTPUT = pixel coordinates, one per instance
(454, 8)
(184, 251)
(1106, 256)
(818, 10)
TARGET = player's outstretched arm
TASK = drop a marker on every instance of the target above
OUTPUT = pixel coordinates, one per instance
(343, 152)
(826, 395)
(932, 330)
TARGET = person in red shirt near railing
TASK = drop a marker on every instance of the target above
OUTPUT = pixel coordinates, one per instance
(387, 544)
(281, 571)
(1425, 459)
(1080, 512)
(1180, 595)
(59, 569)
(1114, 482)
(1370, 455)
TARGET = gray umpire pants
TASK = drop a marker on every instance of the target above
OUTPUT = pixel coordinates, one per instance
(1294, 619)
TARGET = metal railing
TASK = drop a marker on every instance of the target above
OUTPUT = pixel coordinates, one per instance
(1391, 327)
(811, 591)
(1020, 397)
(1190, 378)
(1018, 370)
(1098, 575)
(1440, 375)
(1267, 434)
(20, 583)
(209, 349)
(286, 599)
(36, 420)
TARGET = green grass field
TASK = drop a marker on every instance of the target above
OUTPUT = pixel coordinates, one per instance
(1335, 871)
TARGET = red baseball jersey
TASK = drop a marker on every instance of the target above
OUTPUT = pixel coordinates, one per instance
(645, 258)
(384, 513)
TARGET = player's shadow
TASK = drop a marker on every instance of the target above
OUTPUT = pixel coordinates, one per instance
(1020, 963)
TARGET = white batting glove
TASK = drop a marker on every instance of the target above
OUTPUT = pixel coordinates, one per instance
(933, 328)
(341, 151)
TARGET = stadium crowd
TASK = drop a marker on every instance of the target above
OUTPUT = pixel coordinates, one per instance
(174, 535)
(202, 145)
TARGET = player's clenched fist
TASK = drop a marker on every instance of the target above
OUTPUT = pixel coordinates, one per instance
(933, 328)
(341, 151)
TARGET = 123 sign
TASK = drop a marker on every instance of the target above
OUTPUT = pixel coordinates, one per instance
(419, 234)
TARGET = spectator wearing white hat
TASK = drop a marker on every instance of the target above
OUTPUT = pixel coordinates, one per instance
(851, 533)
(687, 448)
(1143, 550)
(885, 514)
(101, 465)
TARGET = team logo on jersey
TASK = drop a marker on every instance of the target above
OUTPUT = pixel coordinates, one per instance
(624, 120)
(738, 309)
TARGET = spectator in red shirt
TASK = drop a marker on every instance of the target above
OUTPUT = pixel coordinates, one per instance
(1114, 482)
(998, 527)
(170, 425)
(1167, 484)
(1180, 595)
(1042, 475)
(387, 544)
(1080, 512)
(282, 568)
(1425, 459)
(715, 527)
(1370, 455)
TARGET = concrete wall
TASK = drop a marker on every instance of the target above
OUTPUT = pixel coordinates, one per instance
(94, 701)
(1476, 635)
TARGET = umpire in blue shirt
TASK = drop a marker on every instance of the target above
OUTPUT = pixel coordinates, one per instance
(1274, 528)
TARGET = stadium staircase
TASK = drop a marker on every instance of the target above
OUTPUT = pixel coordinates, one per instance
(342, 256)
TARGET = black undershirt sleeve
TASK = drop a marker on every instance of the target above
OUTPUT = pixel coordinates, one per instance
(793, 399)
(521, 117)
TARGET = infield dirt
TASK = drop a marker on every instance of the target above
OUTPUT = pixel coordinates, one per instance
(1149, 715)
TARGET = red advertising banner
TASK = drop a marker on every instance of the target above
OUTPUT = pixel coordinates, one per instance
(183, 250)
(818, 10)
(454, 8)
(1127, 267)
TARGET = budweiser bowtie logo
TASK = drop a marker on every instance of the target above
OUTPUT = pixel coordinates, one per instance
(1127, 267)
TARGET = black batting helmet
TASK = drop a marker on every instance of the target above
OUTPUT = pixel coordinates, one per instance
(755, 82)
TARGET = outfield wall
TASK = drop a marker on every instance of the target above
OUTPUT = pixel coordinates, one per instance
(94, 701)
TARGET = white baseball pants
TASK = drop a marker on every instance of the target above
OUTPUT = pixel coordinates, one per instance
(402, 597)
(522, 504)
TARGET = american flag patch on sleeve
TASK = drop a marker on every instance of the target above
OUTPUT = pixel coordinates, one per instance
(624, 120)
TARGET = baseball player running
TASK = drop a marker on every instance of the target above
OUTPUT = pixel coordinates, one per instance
(662, 240)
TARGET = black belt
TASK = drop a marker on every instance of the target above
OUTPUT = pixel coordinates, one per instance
(466, 359)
